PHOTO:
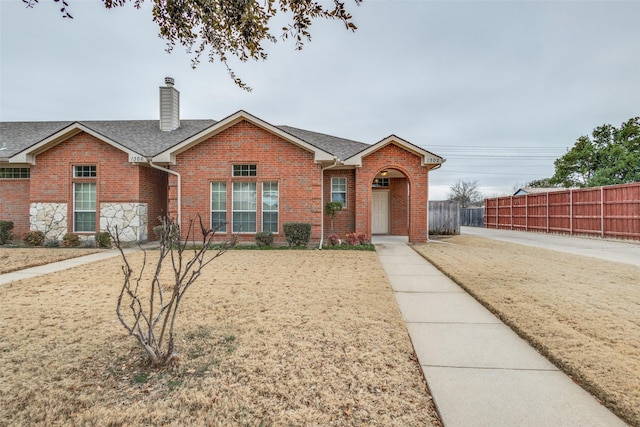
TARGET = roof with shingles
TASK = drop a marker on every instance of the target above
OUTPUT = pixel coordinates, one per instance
(340, 147)
(146, 138)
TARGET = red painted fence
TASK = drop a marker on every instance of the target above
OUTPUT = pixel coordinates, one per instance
(611, 211)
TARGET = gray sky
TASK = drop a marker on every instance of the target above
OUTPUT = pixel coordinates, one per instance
(498, 88)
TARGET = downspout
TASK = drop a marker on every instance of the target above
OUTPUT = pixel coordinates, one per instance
(335, 163)
(438, 166)
(153, 165)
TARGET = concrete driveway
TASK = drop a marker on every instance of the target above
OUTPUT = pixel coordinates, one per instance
(611, 250)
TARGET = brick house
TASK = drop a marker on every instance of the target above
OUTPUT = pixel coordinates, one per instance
(241, 171)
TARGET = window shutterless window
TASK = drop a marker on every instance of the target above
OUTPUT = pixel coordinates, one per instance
(84, 171)
(15, 173)
(244, 207)
(270, 202)
(84, 206)
(219, 206)
(339, 190)
(245, 170)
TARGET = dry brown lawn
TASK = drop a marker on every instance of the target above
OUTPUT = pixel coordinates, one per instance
(582, 313)
(265, 338)
(13, 259)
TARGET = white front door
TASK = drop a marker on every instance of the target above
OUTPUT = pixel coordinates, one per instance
(380, 220)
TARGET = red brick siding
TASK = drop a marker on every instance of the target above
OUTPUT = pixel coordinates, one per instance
(14, 204)
(394, 157)
(118, 181)
(344, 221)
(276, 159)
(153, 192)
(399, 206)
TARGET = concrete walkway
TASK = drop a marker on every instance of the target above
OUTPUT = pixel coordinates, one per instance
(479, 372)
(68, 263)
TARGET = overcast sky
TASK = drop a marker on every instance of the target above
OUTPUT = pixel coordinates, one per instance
(498, 88)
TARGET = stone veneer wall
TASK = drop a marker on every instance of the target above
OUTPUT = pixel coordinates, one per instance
(50, 218)
(129, 218)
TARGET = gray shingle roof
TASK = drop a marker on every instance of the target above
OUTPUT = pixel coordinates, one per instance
(146, 138)
(340, 147)
(16, 136)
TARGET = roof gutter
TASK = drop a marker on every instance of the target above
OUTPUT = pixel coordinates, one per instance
(335, 163)
(153, 165)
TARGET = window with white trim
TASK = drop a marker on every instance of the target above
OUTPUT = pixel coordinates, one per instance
(270, 202)
(14, 173)
(84, 199)
(84, 171)
(245, 170)
(219, 206)
(244, 207)
(339, 190)
(84, 207)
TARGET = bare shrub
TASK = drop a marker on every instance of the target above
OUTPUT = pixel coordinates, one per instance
(148, 309)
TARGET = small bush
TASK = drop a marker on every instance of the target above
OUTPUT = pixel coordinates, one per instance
(297, 233)
(356, 238)
(51, 243)
(5, 232)
(34, 238)
(333, 239)
(103, 239)
(264, 238)
(71, 240)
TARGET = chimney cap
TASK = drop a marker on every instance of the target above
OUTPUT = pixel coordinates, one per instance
(169, 81)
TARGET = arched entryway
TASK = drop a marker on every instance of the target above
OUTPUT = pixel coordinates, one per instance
(390, 193)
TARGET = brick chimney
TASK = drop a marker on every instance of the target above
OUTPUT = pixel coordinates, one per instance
(169, 106)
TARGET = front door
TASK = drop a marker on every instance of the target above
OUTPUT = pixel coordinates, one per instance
(380, 220)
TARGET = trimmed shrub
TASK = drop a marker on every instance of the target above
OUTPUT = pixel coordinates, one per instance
(71, 240)
(34, 238)
(5, 232)
(264, 238)
(333, 239)
(51, 243)
(103, 239)
(297, 233)
(356, 238)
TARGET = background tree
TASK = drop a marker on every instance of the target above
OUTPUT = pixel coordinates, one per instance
(542, 183)
(610, 156)
(223, 28)
(466, 193)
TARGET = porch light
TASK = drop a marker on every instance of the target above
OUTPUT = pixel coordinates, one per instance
(384, 173)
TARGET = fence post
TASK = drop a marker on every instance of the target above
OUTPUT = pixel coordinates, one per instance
(601, 211)
(526, 212)
(570, 212)
(548, 212)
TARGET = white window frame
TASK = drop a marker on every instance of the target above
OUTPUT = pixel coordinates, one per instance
(277, 204)
(244, 170)
(15, 173)
(234, 210)
(223, 228)
(334, 181)
(84, 171)
(76, 210)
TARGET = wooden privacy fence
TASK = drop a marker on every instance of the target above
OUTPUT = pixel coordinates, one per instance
(444, 217)
(611, 211)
